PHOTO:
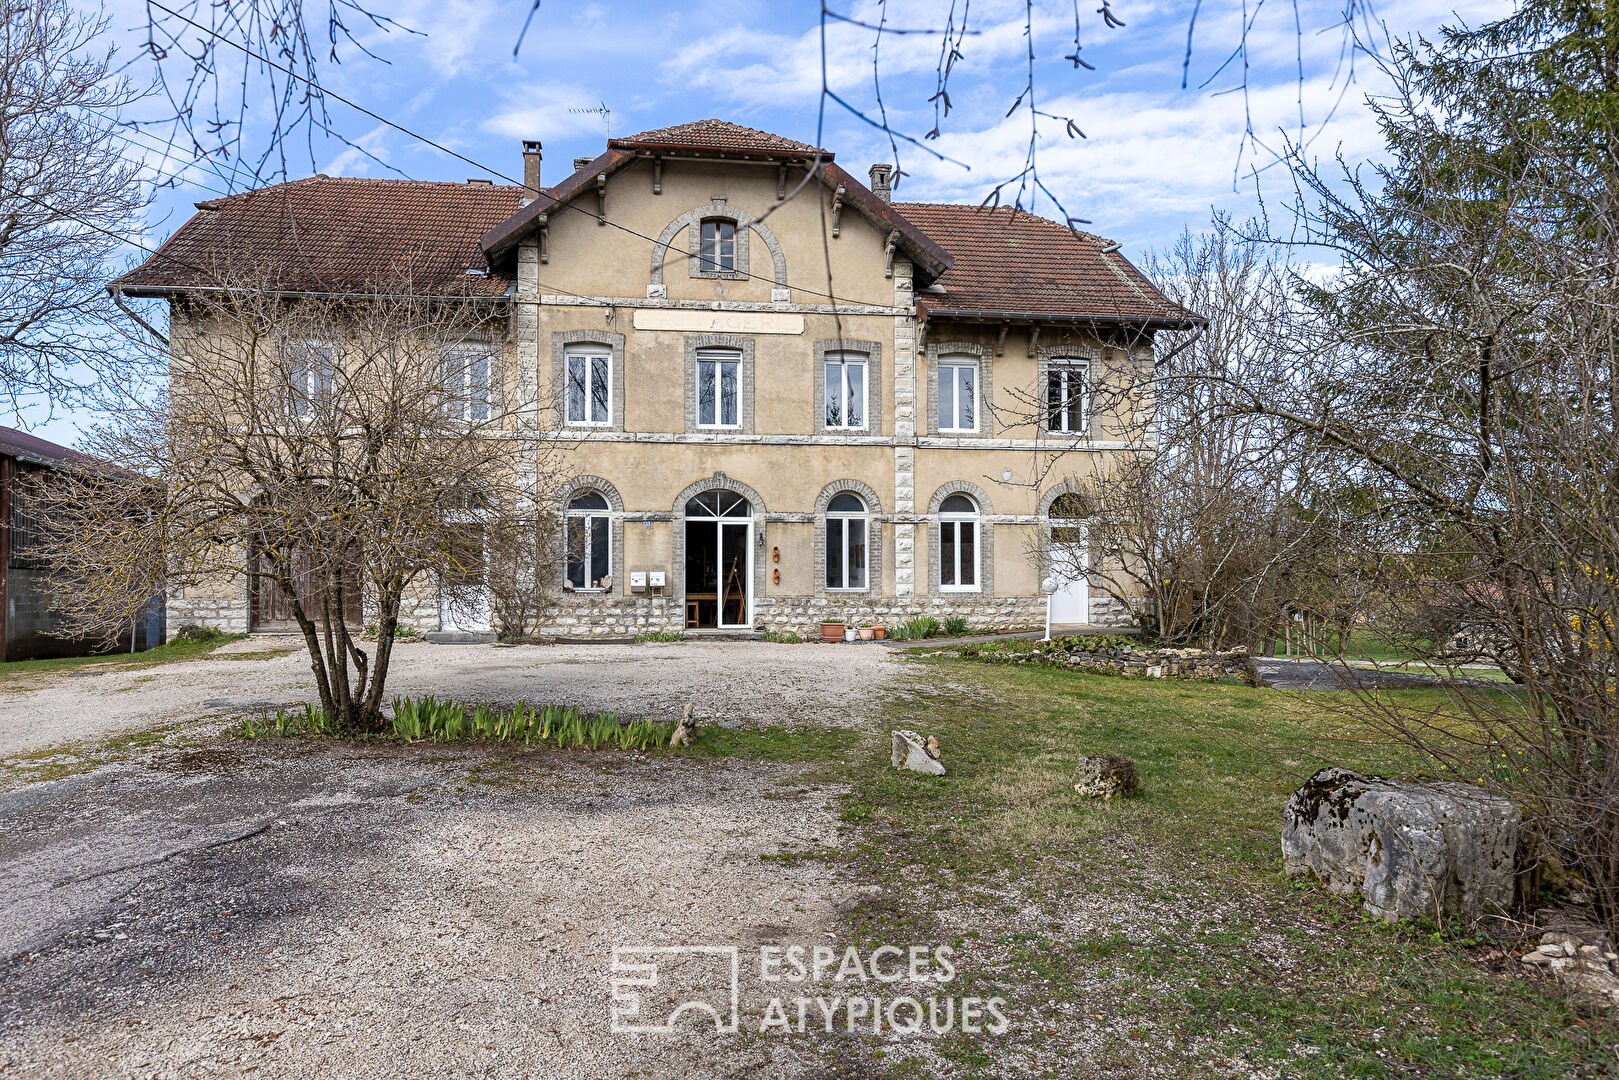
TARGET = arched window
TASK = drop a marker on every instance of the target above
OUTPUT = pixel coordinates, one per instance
(718, 251)
(846, 542)
(958, 544)
(718, 504)
(589, 541)
(1066, 511)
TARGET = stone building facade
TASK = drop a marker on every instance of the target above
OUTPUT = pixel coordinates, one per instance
(784, 397)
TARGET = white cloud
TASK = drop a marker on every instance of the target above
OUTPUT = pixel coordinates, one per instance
(544, 111)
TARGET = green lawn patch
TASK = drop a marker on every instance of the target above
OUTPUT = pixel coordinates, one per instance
(1161, 925)
(167, 653)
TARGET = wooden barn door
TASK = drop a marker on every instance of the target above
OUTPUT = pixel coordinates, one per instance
(272, 611)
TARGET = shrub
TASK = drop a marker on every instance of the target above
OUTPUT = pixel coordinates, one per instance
(198, 632)
(402, 631)
(782, 637)
(916, 629)
(955, 626)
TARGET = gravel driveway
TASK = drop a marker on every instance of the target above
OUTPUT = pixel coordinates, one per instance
(320, 909)
(732, 682)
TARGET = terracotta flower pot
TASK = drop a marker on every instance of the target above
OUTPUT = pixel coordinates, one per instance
(831, 631)
(880, 631)
(867, 633)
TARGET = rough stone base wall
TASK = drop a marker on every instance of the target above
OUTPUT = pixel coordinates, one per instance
(1107, 611)
(612, 616)
(419, 612)
(607, 615)
(225, 613)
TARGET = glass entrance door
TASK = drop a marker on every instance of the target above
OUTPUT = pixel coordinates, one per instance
(719, 561)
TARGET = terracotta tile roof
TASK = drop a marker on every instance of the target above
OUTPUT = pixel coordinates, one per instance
(718, 135)
(499, 241)
(1006, 261)
(329, 234)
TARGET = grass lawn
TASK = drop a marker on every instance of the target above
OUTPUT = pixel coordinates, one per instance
(1156, 936)
(168, 652)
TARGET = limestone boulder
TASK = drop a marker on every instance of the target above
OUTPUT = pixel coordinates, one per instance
(917, 754)
(1408, 849)
(1105, 776)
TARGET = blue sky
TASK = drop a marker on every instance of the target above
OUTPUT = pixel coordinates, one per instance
(1156, 158)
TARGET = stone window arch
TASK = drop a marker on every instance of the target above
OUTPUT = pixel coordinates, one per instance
(985, 539)
(874, 532)
(692, 221)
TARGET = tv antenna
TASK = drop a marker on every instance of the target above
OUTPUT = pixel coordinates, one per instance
(602, 111)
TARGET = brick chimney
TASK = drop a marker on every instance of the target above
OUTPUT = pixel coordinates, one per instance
(531, 170)
(581, 162)
(880, 186)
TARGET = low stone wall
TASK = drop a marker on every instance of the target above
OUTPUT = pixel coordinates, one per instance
(984, 614)
(1205, 664)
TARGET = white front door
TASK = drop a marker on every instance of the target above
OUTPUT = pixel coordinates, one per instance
(1070, 604)
(464, 609)
(466, 614)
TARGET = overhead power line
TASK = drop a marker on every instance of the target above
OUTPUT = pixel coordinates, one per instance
(454, 153)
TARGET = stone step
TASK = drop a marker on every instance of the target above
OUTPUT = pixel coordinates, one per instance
(456, 637)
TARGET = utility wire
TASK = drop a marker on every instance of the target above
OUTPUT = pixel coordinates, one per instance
(455, 154)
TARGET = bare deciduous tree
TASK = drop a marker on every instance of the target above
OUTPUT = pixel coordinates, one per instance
(1199, 533)
(522, 549)
(67, 199)
(323, 449)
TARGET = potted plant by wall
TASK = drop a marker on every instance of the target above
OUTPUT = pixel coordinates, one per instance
(868, 632)
(880, 632)
(831, 629)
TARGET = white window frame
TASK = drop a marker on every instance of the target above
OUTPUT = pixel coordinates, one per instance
(842, 361)
(1068, 369)
(948, 366)
(719, 359)
(587, 355)
(454, 361)
(956, 521)
(715, 263)
(307, 383)
(842, 518)
(585, 517)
